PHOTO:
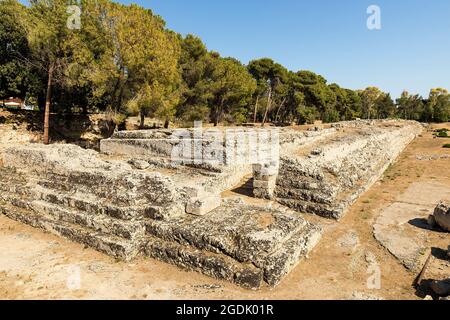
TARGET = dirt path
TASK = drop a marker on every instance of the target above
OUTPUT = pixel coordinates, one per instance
(36, 265)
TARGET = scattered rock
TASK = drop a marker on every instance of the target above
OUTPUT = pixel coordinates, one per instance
(431, 221)
(139, 164)
(441, 288)
(357, 295)
(432, 157)
(442, 216)
(208, 286)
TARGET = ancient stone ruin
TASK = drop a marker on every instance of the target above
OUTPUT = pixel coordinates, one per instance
(326, 174)
(441, 217)
(142, 196)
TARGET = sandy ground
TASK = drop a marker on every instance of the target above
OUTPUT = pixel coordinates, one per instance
(345, 264)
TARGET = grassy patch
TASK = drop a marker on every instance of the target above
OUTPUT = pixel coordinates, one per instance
(447, 146)
(442, 133)
(365, 215)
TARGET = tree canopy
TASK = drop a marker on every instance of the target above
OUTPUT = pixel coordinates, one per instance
(122, 60)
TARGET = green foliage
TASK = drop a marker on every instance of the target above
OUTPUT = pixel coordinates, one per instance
(15, 76)
(439, 105)
(410, 107)
(213, 87)
(125, 61)
(229, 88)
(385, 107)
(442, 134)
(446, 145)
(307, 115)
(330, 115)
(369, 99)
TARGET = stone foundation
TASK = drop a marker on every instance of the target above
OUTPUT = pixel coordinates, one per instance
(112, 207)
(135, 200)
(325, 177)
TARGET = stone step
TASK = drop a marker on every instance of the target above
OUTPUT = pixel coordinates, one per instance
(234, 231)
(270, 263)
(214, 258)
(87, 202)
(214, 265)
(305, 195)
(105, 224)
(297, 247)
(126, 188)
(114, 246)
(287, 179)
(312, 207)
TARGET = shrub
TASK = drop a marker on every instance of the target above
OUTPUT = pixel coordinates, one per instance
(442, 134)
(447, 145)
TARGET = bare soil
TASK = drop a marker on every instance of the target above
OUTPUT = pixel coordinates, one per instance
(37, 265)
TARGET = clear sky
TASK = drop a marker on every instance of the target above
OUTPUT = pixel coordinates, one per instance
(329, 37)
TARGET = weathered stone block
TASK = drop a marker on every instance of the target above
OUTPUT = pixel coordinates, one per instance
(269, 184)
(328, 182)
(442, 216)
(200, 206)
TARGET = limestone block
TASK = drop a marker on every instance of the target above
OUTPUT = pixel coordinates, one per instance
(269, 184)
(139, 164)
(442, 216)
(262, 193)
(202, 205)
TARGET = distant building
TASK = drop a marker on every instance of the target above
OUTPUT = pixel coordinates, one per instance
(16, 103)
(13, 103)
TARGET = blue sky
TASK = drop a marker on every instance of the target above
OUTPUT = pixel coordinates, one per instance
(329, 37)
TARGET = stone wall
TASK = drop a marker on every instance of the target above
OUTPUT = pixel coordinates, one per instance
(111, 206)
(327, 175)
(221, 146)
(134, 200)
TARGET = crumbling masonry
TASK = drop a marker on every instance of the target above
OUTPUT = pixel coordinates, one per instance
(133, 199)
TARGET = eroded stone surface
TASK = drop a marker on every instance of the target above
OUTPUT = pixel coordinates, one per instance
(442, 216)
(126, 212)
(326, 176)
(138, 201)
(402, 227)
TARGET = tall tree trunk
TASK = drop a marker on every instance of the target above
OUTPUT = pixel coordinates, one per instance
(142, 119)
(119, 103)
(269, 103)
(48, 103)
(216, 117)
(279, 108)
(218, 112)
(256, 109)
